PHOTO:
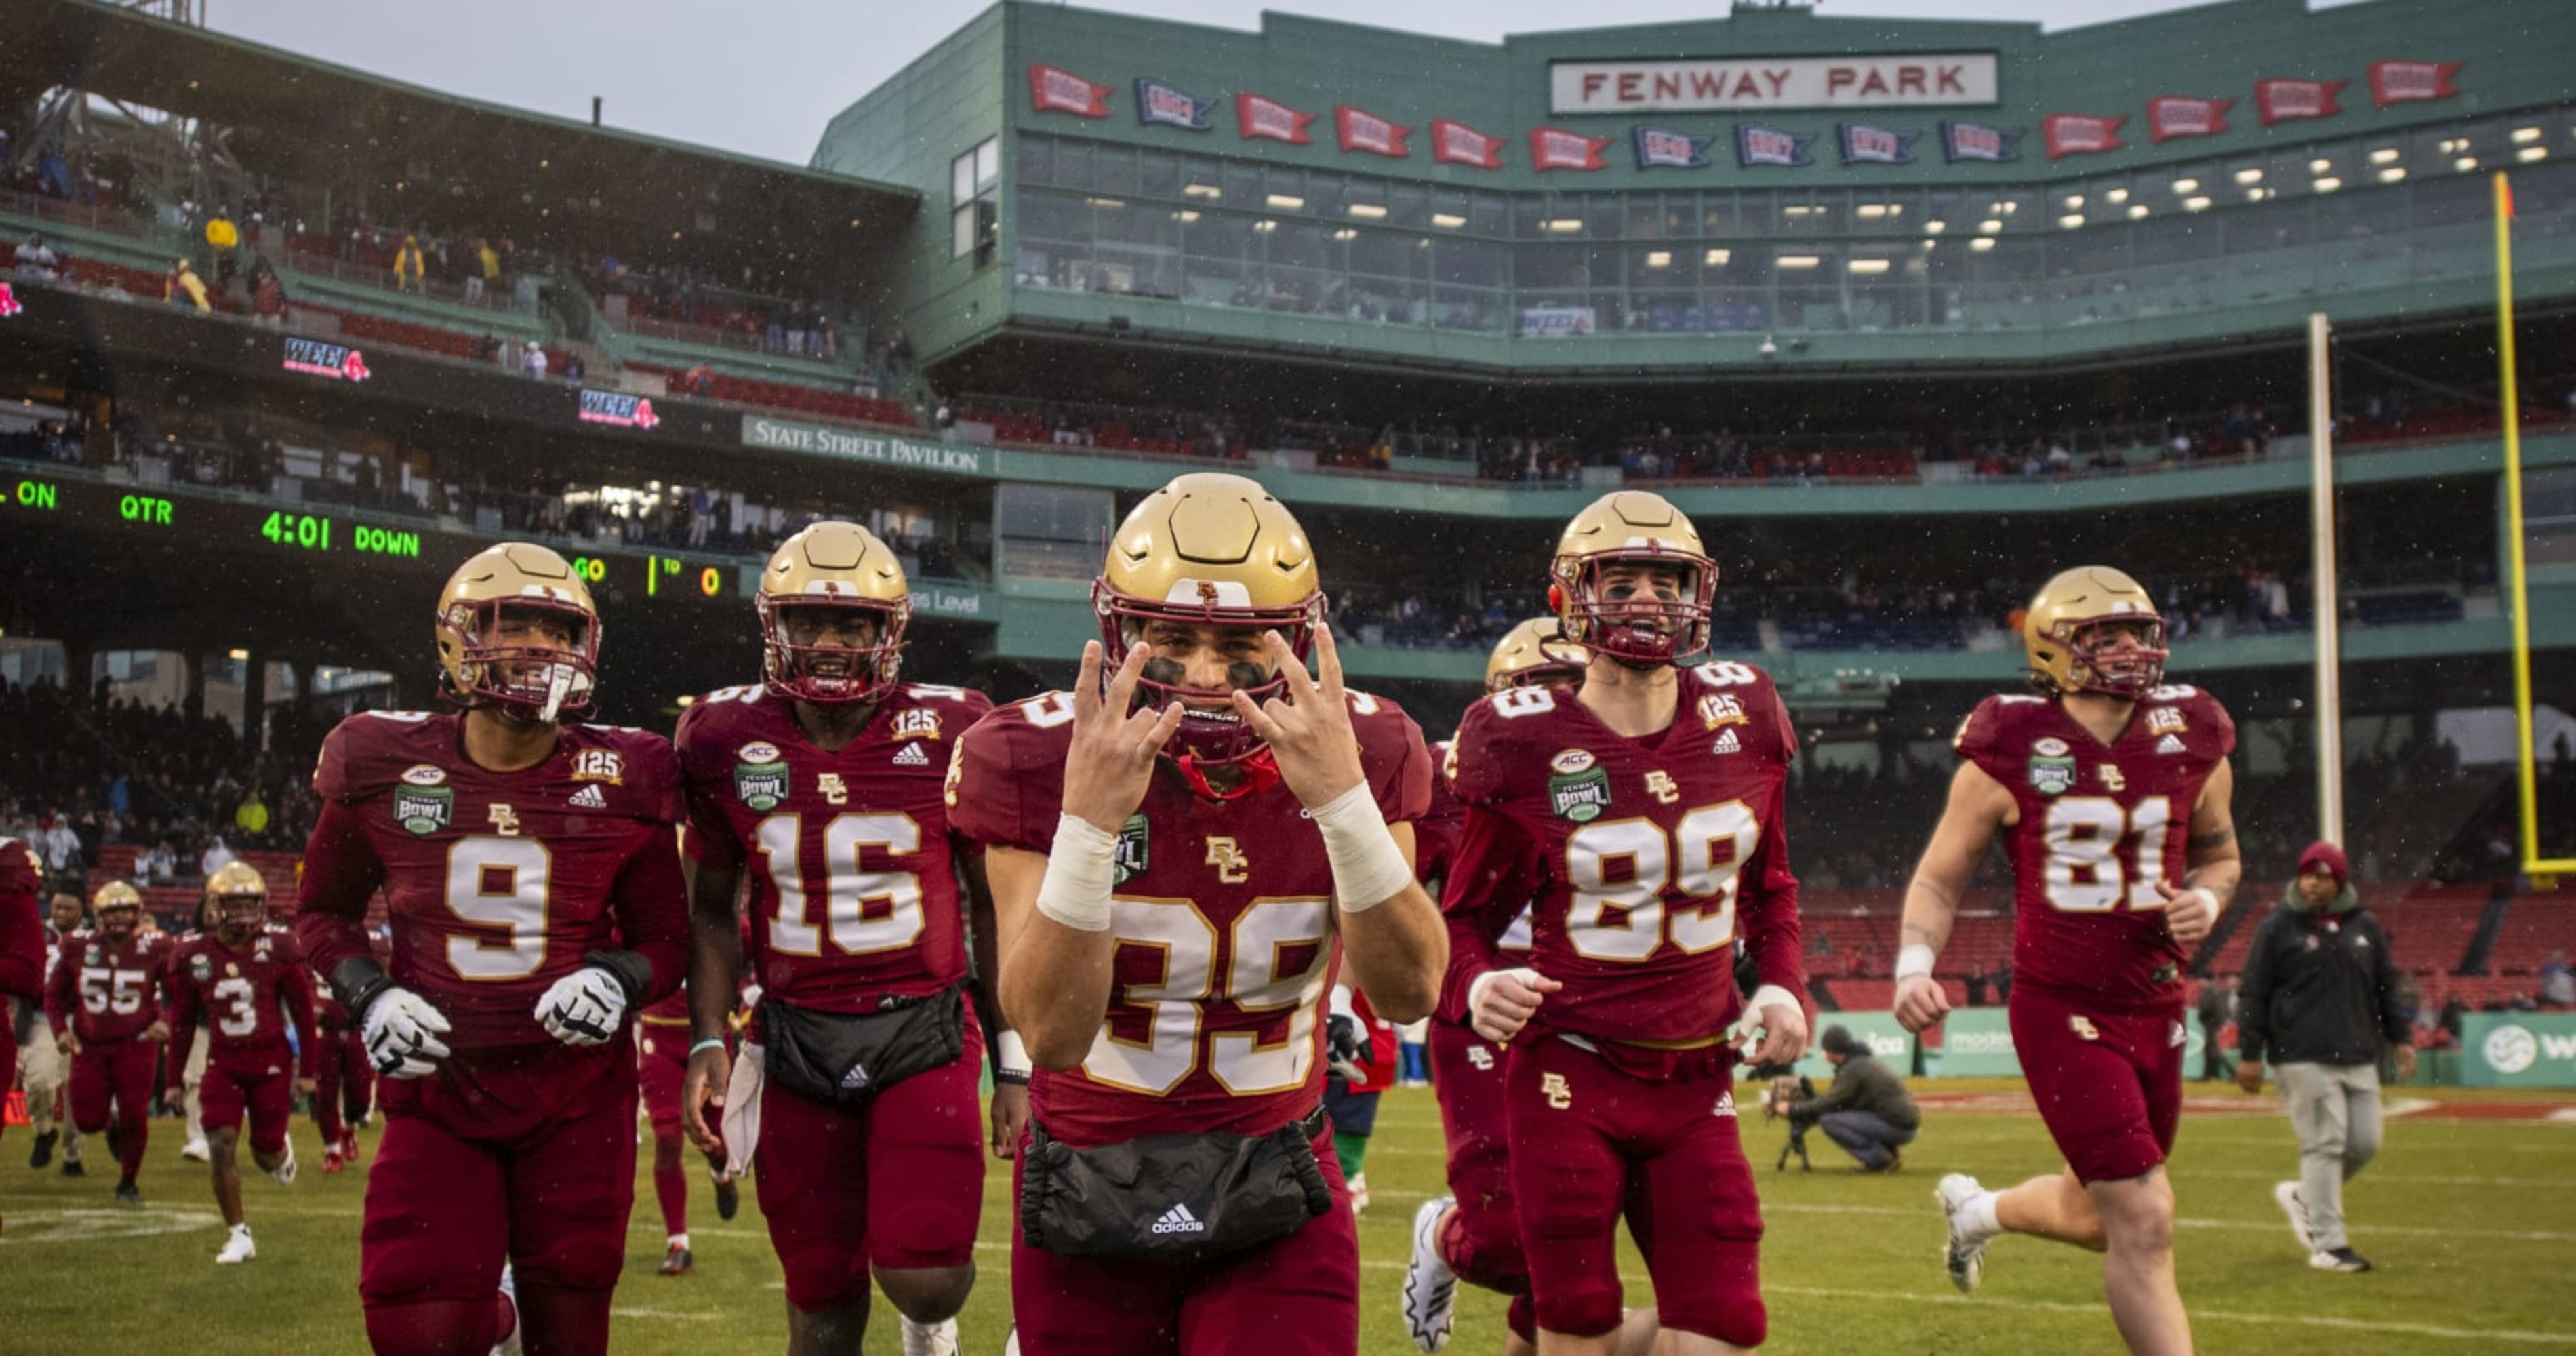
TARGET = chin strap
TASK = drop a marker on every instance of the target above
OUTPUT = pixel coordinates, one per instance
(1260, 773)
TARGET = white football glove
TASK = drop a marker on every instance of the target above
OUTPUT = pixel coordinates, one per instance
(584, 1008)
(401, 1034)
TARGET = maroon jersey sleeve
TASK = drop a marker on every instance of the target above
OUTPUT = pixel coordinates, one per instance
(187, 997)
(1393, 757)
(341, 872)
(1767, 914)
(63, 979)
(1006, 774)
(652, 902)
(1491, 878)
(22, 922)
(295, 987)
(707, 760)
(1435, 837)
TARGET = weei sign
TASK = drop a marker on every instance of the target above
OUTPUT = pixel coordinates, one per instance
(879, 448)
(2518, 1050)
(1889, 1043)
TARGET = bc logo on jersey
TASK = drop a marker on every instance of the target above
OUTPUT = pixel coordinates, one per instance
(1231, 865)
(1556, 1090)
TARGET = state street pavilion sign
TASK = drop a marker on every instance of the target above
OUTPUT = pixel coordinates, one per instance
(1901, 80)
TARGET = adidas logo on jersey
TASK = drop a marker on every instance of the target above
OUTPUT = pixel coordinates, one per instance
(911, 755)
(857, 1077)
(1726, 741)
(590, 798)
(1725, 1104)
(2169, 744)
(1179, 1220)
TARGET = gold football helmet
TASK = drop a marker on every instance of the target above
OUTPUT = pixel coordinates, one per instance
(2075, 621)
(119, 908)
(1208, 549)
(1532, 653)
(1632, 527)
(540, 682)
(239, 894)
(841, 567)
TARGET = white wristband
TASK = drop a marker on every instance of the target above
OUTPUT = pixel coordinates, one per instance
(1010, 1056)
(1079, 874)
(1771, 995)
(1368, 868)
(1915, 959)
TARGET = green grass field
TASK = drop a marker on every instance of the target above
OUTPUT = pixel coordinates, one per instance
(2469, 1220)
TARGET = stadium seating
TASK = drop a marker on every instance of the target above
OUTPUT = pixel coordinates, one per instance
(792, 397)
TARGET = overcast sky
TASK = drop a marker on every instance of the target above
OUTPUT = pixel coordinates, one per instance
(761, 77)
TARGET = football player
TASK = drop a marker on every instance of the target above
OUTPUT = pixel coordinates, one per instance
(1184, 849)
(183, 1075)
(532, 876)
(1643, 809)
(662, 1061)
(22, 943)
(104, 1001)
(1473, 1233)
(2111, 789)
(247, 980)
(344, 1083)
(823, 782)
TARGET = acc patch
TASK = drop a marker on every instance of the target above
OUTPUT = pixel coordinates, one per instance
(1572, 761)
(757, 751)
(424, 774)
(2052, 746)
(1579, 796)
(1132, 854)
(424, 810)
(2051, 776)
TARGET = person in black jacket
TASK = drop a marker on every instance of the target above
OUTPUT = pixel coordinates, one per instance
(1867, 1110)
(2320, 998)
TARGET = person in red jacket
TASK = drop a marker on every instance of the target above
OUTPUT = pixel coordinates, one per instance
(246, 978)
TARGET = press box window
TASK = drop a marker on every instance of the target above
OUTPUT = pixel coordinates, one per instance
(974, 202)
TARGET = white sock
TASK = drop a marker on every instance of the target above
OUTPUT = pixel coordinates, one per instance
(1978, 1215)
(242, 1228)
(678, 1240)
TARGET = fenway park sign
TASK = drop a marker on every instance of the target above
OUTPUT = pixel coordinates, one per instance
(1905, 80)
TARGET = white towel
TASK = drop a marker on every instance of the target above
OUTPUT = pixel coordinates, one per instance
(742, 1109)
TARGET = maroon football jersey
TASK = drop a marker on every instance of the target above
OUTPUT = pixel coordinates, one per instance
(497, 883)
(107, 991)
(1646, 856)
(1224, 916)
(248, 995)
(853, 867)
(2098, 827)
(22, 921)
(1435, 838)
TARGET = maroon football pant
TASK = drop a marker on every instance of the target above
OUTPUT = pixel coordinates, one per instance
(549, 1192)
(1296, 1297)
(1590, 1142)
(661, 1061)
(264, 1090)
(118, 1072)
(2109, 1085)
(344, 1083)
(899, 1184)
(1482, 1242)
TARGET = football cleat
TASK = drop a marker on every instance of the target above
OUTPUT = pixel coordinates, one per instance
(728, 1195)
(72, 1168)
(1430, 1287)
(332, 1161)
(678, 1260)
(195, 1151)
(930, 1339)
(509, 1290)
(127, 1194)
(237, 1248)
(349, 1145)
(1011, 1341)
(43, 1153)
(1963, 1254)
(2286, 1195)
(284, 1172)
(2338, 1259)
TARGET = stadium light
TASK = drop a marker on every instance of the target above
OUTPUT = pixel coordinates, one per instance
(1265, 226)
(1346, 233)
(1716, 258)
(1798, 260)
(2320, 165)
(2328, 184)
(2392, 174)
(2186, 186)
(2530, 153)
(1185, 215)
(2249, 176)
(2383, 155)
(1982, 243)
(1990, 226)
(1286, 202)
(2465, 163)
(1562, 225)
(1872, 266)
(2116, 196)
(1368, 211)
(1935, 227)
(2195, 204)
(1202, 191)
(2525, 135)
(1447, 221)
(1659, 258)
(2074, 200)
(2071, 220)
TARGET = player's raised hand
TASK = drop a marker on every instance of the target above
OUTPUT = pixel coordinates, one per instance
(1921, 1002)
(1501, 1002)
(703, 1086)
(1111, 760)
(1309, 728)
(2189, 913)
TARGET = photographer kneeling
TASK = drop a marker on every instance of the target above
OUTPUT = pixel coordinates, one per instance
(1867, 1110)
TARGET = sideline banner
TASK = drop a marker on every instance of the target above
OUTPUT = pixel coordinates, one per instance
(2518, 1050)
(1976, 1043)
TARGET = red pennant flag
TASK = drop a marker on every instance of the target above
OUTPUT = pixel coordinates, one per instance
(1053, 89)
(1554, 148)
(1455, 143)
(2283, 100)
(1365, 131)
(2081, 133)
(1268, 118)
(2175, 116)
(2412, 82)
